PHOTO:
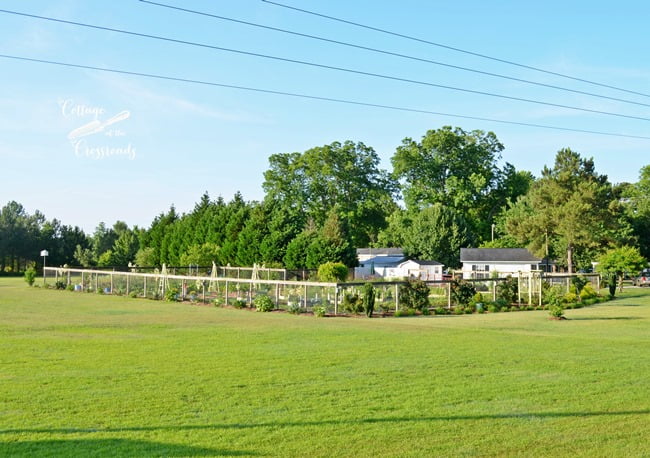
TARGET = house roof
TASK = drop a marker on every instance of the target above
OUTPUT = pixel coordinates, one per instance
(384, 260)
(380, 252)
(425, 263)
(497, 255)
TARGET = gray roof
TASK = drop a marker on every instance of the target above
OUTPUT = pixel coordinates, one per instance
(384, 260)
(426, 263)
(380, 251)
(497, 255)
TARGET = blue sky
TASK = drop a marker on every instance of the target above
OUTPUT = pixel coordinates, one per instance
(172, 141)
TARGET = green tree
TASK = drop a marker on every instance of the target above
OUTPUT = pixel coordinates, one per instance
(201, 255)
(459, 170)
(437, 233)
(368, 300)
(125, 247)
(570, 209)
(619, 261)
(332, 272)
(636, 202)
(146, 257)
(342, 176)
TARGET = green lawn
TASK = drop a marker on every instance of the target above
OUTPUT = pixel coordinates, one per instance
(90, 375)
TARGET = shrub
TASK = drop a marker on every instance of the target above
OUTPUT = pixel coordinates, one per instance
(133, 294)
(263, 304)
(171, 295)
(414, 295)
(30, 276)
(332, 272)
(462, 292)
(70, 287)
(570, 297)
(477, 299)
(368, 299)
(294, 309)
(59, 285)
(579, 283)
(239, 304)
(319, 311)
(508, 290)
(352, 303)
(493, 308)
(556, 310)
(553, 295)
(441, 311)
(588, 292)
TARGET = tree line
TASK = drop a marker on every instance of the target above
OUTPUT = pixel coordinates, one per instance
(447, 190)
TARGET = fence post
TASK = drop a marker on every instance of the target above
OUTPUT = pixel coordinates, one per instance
(277, 295)
(336, 300)
(226, 298)
(530, 288)
(96, 281)
(145, 287)
(111, 283)
(396, 297)
(305, 297)
(127, 284)
(449, 295)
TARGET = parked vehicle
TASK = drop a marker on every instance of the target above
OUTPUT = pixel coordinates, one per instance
(643, 279)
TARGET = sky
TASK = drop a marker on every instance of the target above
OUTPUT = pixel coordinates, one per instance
(84, 145)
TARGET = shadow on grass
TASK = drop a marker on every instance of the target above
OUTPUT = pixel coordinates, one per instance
(604, 318)
(290, 424)
(108, 447)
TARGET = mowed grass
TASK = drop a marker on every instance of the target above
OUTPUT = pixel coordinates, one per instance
(89, 375)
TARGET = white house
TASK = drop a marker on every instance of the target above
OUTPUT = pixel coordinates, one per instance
(501, 262)
(391, 263)
(375, 261)
(413, 268)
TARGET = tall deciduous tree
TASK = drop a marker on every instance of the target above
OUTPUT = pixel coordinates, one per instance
(621, 260)
(458, 169)
(342, 176)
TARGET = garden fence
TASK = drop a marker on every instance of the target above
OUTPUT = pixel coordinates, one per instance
(286, 294)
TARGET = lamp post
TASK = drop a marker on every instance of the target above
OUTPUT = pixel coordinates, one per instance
(44, 253)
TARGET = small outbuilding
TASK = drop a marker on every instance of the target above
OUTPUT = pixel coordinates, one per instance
(391, 263)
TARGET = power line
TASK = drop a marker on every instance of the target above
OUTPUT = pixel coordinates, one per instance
(332, 67)
(314, 97)
(395, 54)
(453, 48)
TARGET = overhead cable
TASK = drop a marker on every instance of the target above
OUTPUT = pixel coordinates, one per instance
(314, 97)
(335, 68)
(394, 54)
(453, 48)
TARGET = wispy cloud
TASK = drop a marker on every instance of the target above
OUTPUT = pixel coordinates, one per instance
(165, 103)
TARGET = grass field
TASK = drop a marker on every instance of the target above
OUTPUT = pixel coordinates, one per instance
(89, 375)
